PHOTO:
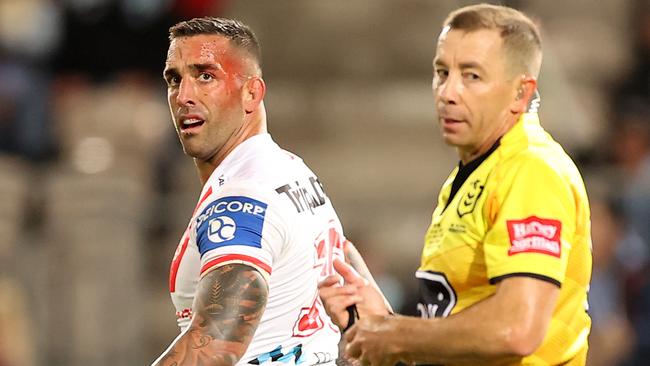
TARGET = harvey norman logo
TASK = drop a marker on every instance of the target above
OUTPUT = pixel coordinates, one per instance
(535, 235)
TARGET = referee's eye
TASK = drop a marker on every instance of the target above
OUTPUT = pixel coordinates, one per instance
(471, 76)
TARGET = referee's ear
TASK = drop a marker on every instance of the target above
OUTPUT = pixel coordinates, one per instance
(524, 93)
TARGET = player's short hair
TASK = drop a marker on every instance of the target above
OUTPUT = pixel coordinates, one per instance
(521, 39)
(241, 35)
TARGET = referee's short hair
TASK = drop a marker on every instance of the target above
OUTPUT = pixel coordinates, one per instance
(521, 39)
(241, 35)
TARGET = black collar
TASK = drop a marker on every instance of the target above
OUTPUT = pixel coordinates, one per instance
(464, 171)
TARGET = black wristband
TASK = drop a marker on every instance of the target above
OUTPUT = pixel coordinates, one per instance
(353, 315)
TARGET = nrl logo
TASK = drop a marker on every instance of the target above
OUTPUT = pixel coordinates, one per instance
(468, 202)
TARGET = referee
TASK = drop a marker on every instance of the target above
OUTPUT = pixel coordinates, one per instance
(506, 261)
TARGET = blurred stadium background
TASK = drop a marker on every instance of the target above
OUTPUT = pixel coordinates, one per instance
(95, 191)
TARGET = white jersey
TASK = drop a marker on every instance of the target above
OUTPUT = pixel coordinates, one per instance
(265, 208)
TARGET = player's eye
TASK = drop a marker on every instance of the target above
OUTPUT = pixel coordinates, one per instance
(173, 80)
(204, 76)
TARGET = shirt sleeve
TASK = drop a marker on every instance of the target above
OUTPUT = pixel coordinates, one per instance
(534, 223)
(240, 224)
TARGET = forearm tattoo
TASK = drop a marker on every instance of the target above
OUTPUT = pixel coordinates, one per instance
(227, 308)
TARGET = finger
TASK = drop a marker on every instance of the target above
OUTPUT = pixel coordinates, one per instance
(329, 293)
(340, 319)
(330, 281)
(338, 310)
(352, 349)
(348, 289)
(340, 304)
(350, 275)
(350, 334)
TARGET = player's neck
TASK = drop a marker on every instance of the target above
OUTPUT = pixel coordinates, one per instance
(255, 125)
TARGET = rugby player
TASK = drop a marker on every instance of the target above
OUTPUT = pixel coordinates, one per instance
(244, 277)
(507, 259)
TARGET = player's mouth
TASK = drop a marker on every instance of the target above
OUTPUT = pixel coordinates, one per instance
(190, 125)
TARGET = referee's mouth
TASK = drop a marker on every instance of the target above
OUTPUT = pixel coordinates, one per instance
(447, 117)
(450, 121)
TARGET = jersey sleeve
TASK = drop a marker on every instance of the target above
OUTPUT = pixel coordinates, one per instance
(533, 225)
(240, 224)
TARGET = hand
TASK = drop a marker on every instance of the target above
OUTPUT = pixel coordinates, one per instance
(355, 291)
(374, 341)
(336, 297)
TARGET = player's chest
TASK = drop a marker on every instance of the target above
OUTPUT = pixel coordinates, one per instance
(184, 271)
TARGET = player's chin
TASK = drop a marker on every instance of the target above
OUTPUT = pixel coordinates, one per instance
(192, 150)
(199, 152)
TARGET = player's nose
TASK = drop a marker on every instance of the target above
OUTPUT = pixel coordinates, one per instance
(186, 92)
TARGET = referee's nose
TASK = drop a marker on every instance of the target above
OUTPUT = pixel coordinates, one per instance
(449, 90)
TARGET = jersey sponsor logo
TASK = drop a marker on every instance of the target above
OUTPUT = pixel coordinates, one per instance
(467, 203)
(302, 198)
(234, 220)
(457, 228)
(221, 229)
(438, 298)
(535, 235)
(233, 205)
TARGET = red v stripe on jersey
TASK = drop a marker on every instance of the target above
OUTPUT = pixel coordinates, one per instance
(205, 197)
(176, 262)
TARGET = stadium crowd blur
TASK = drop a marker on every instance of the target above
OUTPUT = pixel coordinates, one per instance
(95, 192)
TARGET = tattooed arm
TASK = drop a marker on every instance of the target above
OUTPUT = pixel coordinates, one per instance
(227, 308)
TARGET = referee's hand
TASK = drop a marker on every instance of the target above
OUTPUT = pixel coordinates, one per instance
(375, 341)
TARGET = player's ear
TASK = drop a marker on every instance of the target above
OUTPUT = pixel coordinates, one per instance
(525, 91)
(253, 93)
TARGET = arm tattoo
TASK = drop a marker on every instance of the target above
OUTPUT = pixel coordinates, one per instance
(227, 308)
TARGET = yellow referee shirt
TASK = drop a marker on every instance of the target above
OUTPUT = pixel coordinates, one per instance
(519, 210)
